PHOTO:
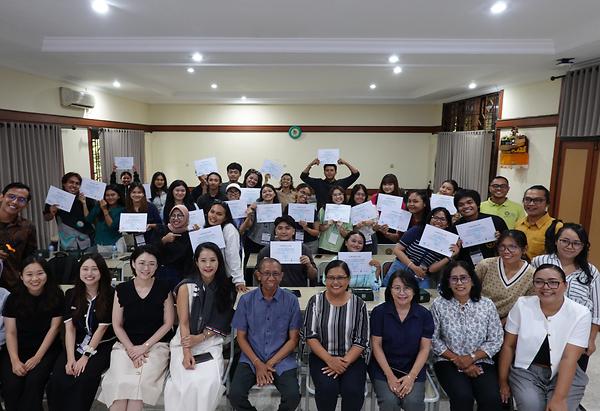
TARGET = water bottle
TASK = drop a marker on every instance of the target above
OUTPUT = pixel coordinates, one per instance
(375, 286)
(115, 252)
(50, 250)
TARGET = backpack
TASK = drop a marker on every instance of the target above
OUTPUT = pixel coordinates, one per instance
(550, 235)
(64, 268)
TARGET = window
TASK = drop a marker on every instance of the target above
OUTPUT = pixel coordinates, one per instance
(95, 155)
(477, 113)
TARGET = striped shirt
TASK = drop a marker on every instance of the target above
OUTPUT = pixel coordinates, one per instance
(417, 254)
(337, 328)
(587, 295)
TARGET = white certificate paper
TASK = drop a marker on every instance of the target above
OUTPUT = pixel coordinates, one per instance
(286, 252)
(477, 232)
(357, 262)
(124, 163)
(237, 208)
(148, 191)
(133, 222)
(197, 217)
(363, 212)
(302, 212)
(267, 213)
(250, 195)
(439, 200)
(205, 166)
(395, 219)
(337, 212)
(92, 189)
(388, 202)
(438, 240)
(273, 168)
(207, 235)
(60, 198)
(328, 155)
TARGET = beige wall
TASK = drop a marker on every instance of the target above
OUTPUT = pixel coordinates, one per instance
(75, 151)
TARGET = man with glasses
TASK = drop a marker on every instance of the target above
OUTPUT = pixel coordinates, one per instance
(267, 322)
(499, 204)
(538, 226)
(17, 234)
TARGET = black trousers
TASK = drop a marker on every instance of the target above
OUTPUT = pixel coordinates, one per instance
(350, 385)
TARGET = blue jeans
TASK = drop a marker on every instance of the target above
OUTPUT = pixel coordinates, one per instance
(397, 265)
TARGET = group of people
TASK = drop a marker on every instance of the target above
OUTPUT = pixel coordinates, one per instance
(536, 272)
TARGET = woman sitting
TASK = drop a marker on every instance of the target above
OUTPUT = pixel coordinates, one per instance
(204, 308)
(175, 248)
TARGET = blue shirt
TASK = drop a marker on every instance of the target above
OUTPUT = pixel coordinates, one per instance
(401, 340)
(267, 325)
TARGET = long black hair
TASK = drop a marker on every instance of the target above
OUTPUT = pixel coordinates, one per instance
(155, 191)
(105, 294)
(228, 216)
(355, 190)
(225, 287)
(50, 297)
(582, 258)
(188, 201)
(275, 199)
(350, 234)
(120, 201)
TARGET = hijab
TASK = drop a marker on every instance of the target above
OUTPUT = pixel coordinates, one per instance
(184, 223)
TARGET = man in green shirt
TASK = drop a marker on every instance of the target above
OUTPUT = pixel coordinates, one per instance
(499, 204)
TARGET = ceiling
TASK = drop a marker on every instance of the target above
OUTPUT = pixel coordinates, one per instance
(282, 51)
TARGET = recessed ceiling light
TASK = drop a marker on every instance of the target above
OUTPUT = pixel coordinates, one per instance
(214, 85)
(498, 7)
(100, 6)
(197, 57)
(116, 84)
(472, 85)
(393, 59)
(190, 70)
(397, 70)
(243, 97)
(373, 86)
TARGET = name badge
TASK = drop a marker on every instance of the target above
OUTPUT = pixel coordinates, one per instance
(333, 238)
(299, 235)
(476, 257)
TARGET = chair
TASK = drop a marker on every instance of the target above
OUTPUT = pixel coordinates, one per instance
(321, 272)
(385, 268)
(310, 390)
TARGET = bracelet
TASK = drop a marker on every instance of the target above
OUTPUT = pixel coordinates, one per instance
(255, 361)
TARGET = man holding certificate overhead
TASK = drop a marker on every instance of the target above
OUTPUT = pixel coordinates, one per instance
(295, 258)
(323, 185)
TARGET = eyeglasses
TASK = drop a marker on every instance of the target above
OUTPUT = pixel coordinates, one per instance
(333, 278)
(497, 186)
(18, 199)
(400, 289)
(177, 216)
(463, 279)
(568, 243)
(512, 248)
(534, 200)
(268, 274)
(552, 284)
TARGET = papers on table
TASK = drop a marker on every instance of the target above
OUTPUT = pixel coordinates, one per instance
(196, 217)
(250, 195)
(124, 163)
(133, 222)
(388, 202)
(357, 262)
(267, 213)
(92, 189)
(148, 191)
(439, 200)
(477, 232)
(328, 155)
(286, 252)
(363, 212)
(395, 219)
(302, 212)
(272, 168)
(237, 208)
(207, 235)
(438, 240)
(337, 212)
(205, 166)
(60, 198)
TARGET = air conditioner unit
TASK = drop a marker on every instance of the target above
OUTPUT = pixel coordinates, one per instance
(78, 99)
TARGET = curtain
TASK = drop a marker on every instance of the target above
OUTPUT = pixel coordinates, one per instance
(579, 113)
(32, 154)
(121, 143)
(464, 156)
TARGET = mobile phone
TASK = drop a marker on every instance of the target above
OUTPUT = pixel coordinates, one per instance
(200, 358)
(398, 373)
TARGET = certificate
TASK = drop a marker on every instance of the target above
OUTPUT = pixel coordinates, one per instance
(357, 262)
(92, 189)
(389, 202)
(197, 217)
(337, 212)
(302, 212)
(328, 155)
(60, 198)
(363, 212)
(395, 219)
(439, 200)
(148, 191)
(205, 166)
(286, 252)
(124, 163)
(267, 213)
(237, 208)
(477, 232)
(272, 168)
(207, 235)
(133, 222)
(250, 195)
(438, 240)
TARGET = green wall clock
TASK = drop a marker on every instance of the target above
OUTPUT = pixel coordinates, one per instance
(295, 132)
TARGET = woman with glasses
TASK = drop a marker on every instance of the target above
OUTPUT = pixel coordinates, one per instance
(506, 278)
(401, 332)
(545, 336)
(467, 334)
(175, 247)
(336, 328)
(570, 252)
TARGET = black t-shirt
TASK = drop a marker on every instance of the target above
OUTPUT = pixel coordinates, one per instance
(486, 250)
(294, 275)
(178, 254)
(88, 321)
(142, 317)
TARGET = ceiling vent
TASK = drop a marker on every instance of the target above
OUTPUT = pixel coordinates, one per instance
(77, 99)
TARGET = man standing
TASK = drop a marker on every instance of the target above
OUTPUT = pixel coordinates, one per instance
(267, 321)
(538, 226)
(234, 172)
(321, 186)
(17, 235)
(499, 204)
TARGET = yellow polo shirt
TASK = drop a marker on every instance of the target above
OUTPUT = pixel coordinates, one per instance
(509, 211)
(536, 233)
